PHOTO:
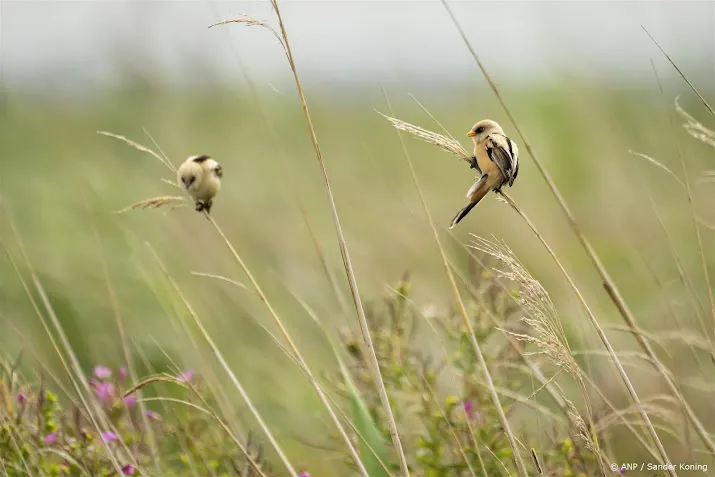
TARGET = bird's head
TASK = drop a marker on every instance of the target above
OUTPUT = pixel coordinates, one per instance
(483, 128)
(192, 170)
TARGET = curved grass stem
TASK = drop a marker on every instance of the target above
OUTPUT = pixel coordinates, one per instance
(352, 281)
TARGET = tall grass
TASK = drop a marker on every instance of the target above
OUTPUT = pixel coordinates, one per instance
(478, 374)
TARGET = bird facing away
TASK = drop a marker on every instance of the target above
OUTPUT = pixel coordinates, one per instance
(201, 177)
(496, 158)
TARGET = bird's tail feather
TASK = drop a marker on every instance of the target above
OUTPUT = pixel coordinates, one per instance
(478, 196)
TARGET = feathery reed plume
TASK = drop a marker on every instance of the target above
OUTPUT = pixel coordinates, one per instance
(448, 144)
(694, 127)
(586, 437)
(549, 336)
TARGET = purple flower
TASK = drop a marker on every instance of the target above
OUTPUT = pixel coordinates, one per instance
(105, 392)
(304, 474)
(123, 373)
(130, 401)
(108, 436)
(102, 372)
(153, 415)
(622, 470)
(21, 398)
(128, 469)
(469, 409)
(51, 439)
(186, 376)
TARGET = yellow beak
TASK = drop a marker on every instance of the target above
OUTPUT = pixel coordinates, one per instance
(471, 134)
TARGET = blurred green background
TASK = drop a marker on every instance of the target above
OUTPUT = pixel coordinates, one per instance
(62, 183)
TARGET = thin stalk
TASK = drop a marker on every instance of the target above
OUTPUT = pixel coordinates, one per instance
(700, 97)
(128, 356)
(294, 349)
(352, 281)
(521, 469)
(217, 352)
(691, 202)
(323, 261)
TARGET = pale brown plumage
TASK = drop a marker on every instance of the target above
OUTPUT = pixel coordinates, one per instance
(201, 177)
(496, 157)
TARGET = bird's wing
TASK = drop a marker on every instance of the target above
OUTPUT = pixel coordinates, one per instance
(505, 154)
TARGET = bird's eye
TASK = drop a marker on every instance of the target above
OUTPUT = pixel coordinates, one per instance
(480, 130)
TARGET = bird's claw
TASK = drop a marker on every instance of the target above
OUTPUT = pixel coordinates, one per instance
(204, 205)
(473, 162)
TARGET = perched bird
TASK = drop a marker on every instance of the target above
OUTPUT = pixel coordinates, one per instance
(201, 177)
(496, 158)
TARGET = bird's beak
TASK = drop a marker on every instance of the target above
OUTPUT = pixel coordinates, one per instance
(471, 133)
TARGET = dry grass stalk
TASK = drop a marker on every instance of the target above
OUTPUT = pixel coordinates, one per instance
(350, 273)
(682, 75)
(694, 125)
(128, 355)
(139, 147)
(659, 165)
(247, 21)
(155, 202)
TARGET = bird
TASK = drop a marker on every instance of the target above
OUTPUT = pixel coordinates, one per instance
(496, 158)
(201, 177)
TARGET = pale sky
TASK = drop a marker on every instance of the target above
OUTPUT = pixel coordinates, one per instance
(60, 44)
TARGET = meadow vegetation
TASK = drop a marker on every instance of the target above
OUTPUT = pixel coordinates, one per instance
(548, 334)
